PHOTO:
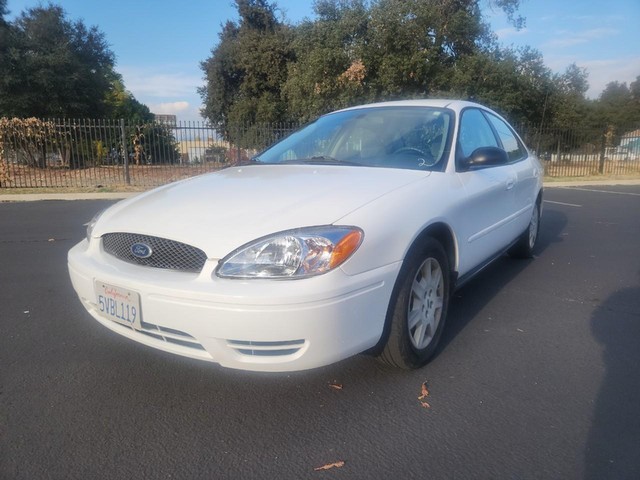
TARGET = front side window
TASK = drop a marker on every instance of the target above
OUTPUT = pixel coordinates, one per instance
(475, 132)
(393, 137)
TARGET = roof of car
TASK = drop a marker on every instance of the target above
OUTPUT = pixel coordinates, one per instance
(453, 104)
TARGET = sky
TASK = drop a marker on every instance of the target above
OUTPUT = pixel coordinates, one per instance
(159, 44)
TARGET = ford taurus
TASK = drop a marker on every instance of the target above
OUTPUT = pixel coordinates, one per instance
(349, 235)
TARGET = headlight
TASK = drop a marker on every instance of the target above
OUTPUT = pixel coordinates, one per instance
(92, 223)
(292, 254)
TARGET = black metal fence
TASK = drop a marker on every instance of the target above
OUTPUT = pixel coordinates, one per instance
(105, 153)
(108, 153)
(580, 152)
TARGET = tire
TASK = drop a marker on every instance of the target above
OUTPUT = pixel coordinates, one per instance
(418, 307)
(525, 245)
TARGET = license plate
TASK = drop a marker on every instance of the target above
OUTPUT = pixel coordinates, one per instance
(119, 304)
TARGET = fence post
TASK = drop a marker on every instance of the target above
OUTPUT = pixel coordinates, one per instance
(603, 147)
(125, 154)
(238, 145)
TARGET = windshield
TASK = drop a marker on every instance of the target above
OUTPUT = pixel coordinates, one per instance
(394, 137)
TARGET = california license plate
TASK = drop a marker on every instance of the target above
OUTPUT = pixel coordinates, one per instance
(119, 304)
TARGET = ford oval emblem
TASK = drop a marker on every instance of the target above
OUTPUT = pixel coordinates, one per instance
(141, 250)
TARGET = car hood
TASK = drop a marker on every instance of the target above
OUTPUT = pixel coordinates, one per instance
(221, 211)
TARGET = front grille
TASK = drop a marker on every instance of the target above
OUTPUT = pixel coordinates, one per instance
(165, 253)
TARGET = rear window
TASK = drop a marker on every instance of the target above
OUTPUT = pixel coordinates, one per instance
(510, 142)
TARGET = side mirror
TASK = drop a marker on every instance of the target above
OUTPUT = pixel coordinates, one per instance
(485, 157)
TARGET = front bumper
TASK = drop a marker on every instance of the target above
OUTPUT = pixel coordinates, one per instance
(260, 325)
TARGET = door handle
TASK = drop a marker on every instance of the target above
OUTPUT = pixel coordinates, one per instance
(511, 183)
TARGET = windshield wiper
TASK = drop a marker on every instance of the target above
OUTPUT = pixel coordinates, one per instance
(322, 160)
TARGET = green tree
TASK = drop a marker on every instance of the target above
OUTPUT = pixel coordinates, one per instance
(567, 106)
(3, 11)
(247, 69)
(223, 77)
(619, 104)
(634, 87)
(565, 121)
(416, 43)
(619, 107)
(6, 42)
(55, 67)
(514, 82)
(356, 51)
(328, 71)
(122, 104)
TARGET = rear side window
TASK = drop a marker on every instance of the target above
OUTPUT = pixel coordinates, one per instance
(510, 143)
(475, 132)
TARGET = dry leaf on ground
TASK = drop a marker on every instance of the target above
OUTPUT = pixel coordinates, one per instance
(330, 465)
(425, 392)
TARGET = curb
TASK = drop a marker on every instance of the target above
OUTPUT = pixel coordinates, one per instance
(591, 183)
(35, 197)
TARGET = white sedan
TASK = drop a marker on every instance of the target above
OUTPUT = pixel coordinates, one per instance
(347, 236)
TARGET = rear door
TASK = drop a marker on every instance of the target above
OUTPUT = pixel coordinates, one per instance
(526, 173)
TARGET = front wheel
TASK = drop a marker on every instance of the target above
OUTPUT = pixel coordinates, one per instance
(418, 307)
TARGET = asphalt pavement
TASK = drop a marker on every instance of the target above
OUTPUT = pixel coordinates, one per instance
(536, 377)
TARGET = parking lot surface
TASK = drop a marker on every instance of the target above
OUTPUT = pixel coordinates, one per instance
(536, 377)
